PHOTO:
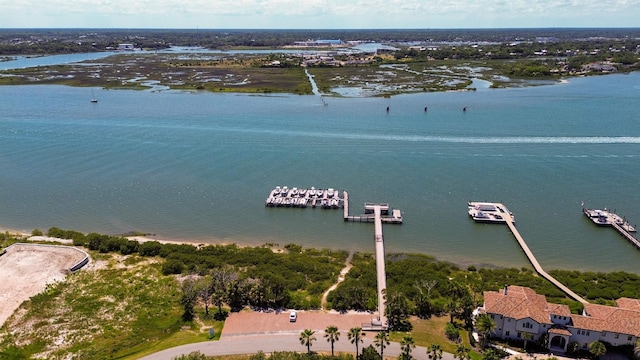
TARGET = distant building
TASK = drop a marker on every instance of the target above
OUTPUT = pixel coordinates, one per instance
(127, 47)
(517, 310)
(319, 43)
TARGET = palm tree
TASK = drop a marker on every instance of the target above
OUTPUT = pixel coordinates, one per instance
(332, 334)
(485, 325)
(597, 349)
(307, 338)
(407, 345)
(355, 335)
(434, 352)
(526, 337)
(462, 353)
(382, 340)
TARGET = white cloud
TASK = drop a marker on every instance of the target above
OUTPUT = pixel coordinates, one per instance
(315, 13)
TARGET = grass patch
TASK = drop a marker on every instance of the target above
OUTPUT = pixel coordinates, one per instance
(431, 331)
(121, 311)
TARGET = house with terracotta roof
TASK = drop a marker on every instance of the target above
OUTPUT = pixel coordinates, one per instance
(519, 310)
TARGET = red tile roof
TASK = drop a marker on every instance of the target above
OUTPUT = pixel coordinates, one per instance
(521, 302)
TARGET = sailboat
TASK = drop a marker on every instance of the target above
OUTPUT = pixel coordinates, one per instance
(93, 98)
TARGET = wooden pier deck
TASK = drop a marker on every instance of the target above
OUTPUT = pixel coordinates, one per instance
(381, 272)
(532, 259)
(394, 218)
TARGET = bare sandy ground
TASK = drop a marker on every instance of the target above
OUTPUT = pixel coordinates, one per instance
(25, 270)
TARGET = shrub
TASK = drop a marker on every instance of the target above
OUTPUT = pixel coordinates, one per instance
(150, 248)
(172, 266)
(452, 332)
(221, 315)
(36, 232)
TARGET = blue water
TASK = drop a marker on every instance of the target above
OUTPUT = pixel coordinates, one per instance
(198, 166)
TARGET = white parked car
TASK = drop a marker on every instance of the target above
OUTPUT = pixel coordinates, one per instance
(293, 316)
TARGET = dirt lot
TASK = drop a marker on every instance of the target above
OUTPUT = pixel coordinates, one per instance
(25, 270)
(245, 323)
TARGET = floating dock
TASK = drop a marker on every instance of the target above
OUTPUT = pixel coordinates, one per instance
(303, 197)
(486, 212)
(508, 218)
(329, 199)
(611, 219)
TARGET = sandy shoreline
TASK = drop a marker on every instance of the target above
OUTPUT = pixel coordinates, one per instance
(213, 241)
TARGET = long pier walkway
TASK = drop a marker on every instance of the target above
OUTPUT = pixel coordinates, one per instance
(622, 231)
(380, 267)
(532, 259)
(378, 214)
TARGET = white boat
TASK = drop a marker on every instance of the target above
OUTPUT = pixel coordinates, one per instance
(277, 190)
(294, 191)
(312, 191)
(330, 192)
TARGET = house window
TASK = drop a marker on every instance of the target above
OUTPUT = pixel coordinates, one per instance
(629, 338)
(506, 333)
(588, 333)
(519, 334)
(617, 336)
(604, 334)
(493, 316)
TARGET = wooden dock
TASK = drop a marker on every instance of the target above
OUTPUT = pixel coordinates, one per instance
(532, 259)
(611, 219)
(387, 215)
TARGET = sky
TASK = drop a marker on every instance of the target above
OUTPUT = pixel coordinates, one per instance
(318, 14)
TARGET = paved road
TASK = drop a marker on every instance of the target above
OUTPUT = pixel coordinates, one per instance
(250, 344)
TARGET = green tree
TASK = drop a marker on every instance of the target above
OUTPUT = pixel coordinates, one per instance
(490, 354)
(407, 345)
(398, 311)
(597, 349)
(356, 336)
(332, 334)
(307, 339)
(636, 350)
(434, 352)
(189, 298)
(462, 353)
(369, 353)
(381, 340)
(222, 280)
(205, 291)
(485, 325)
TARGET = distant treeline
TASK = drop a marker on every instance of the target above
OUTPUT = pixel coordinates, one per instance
(53, 41)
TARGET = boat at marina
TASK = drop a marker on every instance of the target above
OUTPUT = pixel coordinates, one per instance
(486, 212)
(607, 218)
